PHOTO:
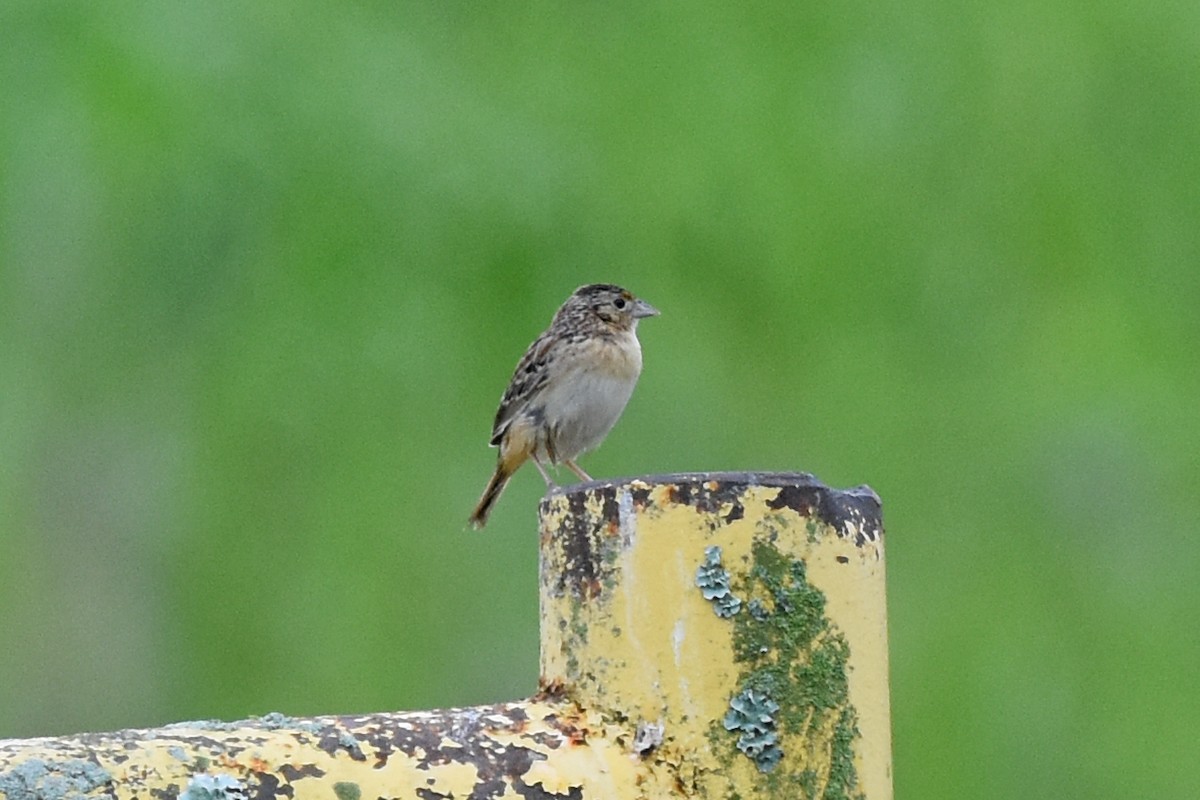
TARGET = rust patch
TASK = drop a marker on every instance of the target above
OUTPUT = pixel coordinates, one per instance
(576, 734)
(383, 750)
(430, 794)
(567, 728)
(333, 740)
(292, 773)
(610, 510)
(552, 741)
(709, 496)
(586, 533)
(267, 787)
(536, 792)
(583, 539)
(578, 547)
(550, 691)
(468, 736)
(849, 511)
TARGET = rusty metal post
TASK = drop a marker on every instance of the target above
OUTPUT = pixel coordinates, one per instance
(713, 635)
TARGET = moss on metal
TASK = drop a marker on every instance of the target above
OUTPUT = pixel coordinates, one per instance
(792, 681)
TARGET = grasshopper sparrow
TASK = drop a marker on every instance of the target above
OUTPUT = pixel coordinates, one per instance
(569, 388)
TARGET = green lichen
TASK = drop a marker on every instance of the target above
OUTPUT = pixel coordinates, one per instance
(843, 778)
(810, 783)
(347, 791)
(577, 628)
(793, 671)
(610, 554)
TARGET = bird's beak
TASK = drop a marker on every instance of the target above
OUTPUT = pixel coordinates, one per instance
(643, 309)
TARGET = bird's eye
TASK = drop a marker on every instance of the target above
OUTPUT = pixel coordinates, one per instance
(619, 303)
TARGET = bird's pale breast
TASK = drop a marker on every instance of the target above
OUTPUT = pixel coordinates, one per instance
(586, 401)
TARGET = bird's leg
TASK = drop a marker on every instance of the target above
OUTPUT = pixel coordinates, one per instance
(571, 465)
(537, 462)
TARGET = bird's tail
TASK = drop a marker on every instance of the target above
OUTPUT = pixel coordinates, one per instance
(491, 494)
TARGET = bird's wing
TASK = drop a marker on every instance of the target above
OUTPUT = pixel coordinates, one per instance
(528, 378)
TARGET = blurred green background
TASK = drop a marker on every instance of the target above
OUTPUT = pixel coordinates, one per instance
(265, 271)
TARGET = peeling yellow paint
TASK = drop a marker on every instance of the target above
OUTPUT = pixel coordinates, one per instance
(629, 642)
(673, 657)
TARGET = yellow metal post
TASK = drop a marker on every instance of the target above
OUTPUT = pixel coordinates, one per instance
(718, 635)
(740, 617)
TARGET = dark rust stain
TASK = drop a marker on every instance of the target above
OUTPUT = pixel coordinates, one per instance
(539, 793)
(171, 792)
(714, 494)
(569, 727)
(383, 750)
(428, 794)
(550, 691)
(840, 510)
(267, 786)
(610, 510)
(708, 495)
(292, 773)
(466, 736)
(583, 539)
(545, 739)
(575, 539)
(332, 740)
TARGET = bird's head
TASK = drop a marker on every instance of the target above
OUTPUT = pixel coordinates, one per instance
(611, 304)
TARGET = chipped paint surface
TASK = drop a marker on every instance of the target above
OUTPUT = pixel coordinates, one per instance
(714, 543)
(637, 673)
(527, 750)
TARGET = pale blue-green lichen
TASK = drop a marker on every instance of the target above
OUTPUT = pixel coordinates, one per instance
(752, 715)
(38, 779)
(713, 580)
(757, 609)
(275, 721)
(214, 787)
